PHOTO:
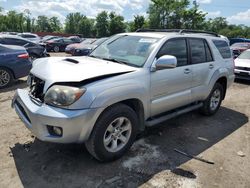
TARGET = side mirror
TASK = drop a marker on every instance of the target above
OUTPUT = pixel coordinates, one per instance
(166, 62)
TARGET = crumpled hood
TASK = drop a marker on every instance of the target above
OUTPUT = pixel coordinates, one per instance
(242, 62)
(59, 69)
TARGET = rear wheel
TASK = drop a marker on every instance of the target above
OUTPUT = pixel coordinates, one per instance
(113, 134)
(6, 78)
(212, 104)
(56, 49)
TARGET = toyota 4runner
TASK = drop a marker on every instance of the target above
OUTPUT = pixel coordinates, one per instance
(129, 82)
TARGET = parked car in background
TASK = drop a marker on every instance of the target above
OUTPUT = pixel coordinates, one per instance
(48, 37)
(14, 64)
(235, 40)
(76, 39)
(71, 48)
(240, 46)
(58, 45)
(35, 50)
(242, 66)
(84, 50)
(31, 37)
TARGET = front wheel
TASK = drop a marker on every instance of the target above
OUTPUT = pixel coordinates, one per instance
(113, 134)
(212, 104)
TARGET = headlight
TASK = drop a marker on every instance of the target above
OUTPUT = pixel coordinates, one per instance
(63, 95)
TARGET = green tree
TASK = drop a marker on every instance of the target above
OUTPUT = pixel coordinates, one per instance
(174, 14)
(55, 24)
(27, 20)
(139, 22)
(15, 21)
(194, 19)
(86, 26)
(43, 24)
(116, 24)
(217, 24)
(72, 23)
(102, 24)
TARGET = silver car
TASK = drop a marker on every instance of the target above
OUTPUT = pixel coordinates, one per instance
(130, 81)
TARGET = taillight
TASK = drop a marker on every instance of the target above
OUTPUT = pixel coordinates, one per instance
(23, 56)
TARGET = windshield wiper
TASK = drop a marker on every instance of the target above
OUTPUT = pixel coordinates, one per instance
(116, 61)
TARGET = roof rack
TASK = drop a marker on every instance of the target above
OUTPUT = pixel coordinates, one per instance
(180, 31)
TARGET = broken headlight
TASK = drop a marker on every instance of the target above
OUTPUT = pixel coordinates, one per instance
(63, 95)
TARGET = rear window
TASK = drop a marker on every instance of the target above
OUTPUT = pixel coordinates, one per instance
(223, 48)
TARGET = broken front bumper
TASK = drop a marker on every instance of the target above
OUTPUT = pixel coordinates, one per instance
(76, 125)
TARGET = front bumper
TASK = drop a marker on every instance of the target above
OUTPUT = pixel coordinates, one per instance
(241, 74)
(76, 124)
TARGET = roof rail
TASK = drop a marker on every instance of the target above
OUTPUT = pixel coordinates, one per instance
(180, 31)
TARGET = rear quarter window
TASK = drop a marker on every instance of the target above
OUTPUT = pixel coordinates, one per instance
(223, 48)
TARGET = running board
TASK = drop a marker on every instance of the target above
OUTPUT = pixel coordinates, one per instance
(161, 119)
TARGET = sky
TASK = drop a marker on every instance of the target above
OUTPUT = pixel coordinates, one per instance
(236, 11)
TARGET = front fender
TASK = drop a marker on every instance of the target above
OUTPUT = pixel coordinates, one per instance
(120, 93)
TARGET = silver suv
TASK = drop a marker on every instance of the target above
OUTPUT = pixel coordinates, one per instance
(129, 82)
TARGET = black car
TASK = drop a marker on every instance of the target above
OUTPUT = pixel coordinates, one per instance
(86, 49)
(35, 50)
(14, 63)
(58, 45)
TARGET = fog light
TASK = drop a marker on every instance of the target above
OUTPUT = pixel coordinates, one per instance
(58, 130)
(55, 131)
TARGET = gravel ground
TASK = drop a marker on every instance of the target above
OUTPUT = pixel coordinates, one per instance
(152, 162)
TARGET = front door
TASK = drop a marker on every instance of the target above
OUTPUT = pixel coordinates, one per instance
(171, 88)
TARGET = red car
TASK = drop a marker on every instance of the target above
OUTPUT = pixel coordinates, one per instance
(240, 46)
(71, 48)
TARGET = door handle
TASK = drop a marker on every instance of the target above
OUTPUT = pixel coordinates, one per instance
(187, 71)
(211, 66)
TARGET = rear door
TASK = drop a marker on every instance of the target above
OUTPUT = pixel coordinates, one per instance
(203, 66)
(171, 88)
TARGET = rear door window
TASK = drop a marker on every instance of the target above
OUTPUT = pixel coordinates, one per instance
(200, 51)
(223, 48)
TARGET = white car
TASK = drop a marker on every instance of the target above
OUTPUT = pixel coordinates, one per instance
(242, 66)
(30, 36)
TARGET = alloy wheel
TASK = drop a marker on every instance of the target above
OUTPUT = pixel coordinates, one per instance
(117, 134)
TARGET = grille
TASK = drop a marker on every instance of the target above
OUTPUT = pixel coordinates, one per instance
(36, 88)
(243, 68)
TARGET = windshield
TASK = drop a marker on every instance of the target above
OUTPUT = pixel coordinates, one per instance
(132, 50)
(99, 41)
(245, 55)
(88, 41)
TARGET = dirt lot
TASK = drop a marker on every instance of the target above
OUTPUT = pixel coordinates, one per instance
(152, 161)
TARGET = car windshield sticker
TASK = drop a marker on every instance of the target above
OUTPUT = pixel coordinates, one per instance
(147, 40)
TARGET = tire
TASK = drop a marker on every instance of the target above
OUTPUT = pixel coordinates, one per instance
(6, 78)
(101, 143)
(212, 104)
(56, 49)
